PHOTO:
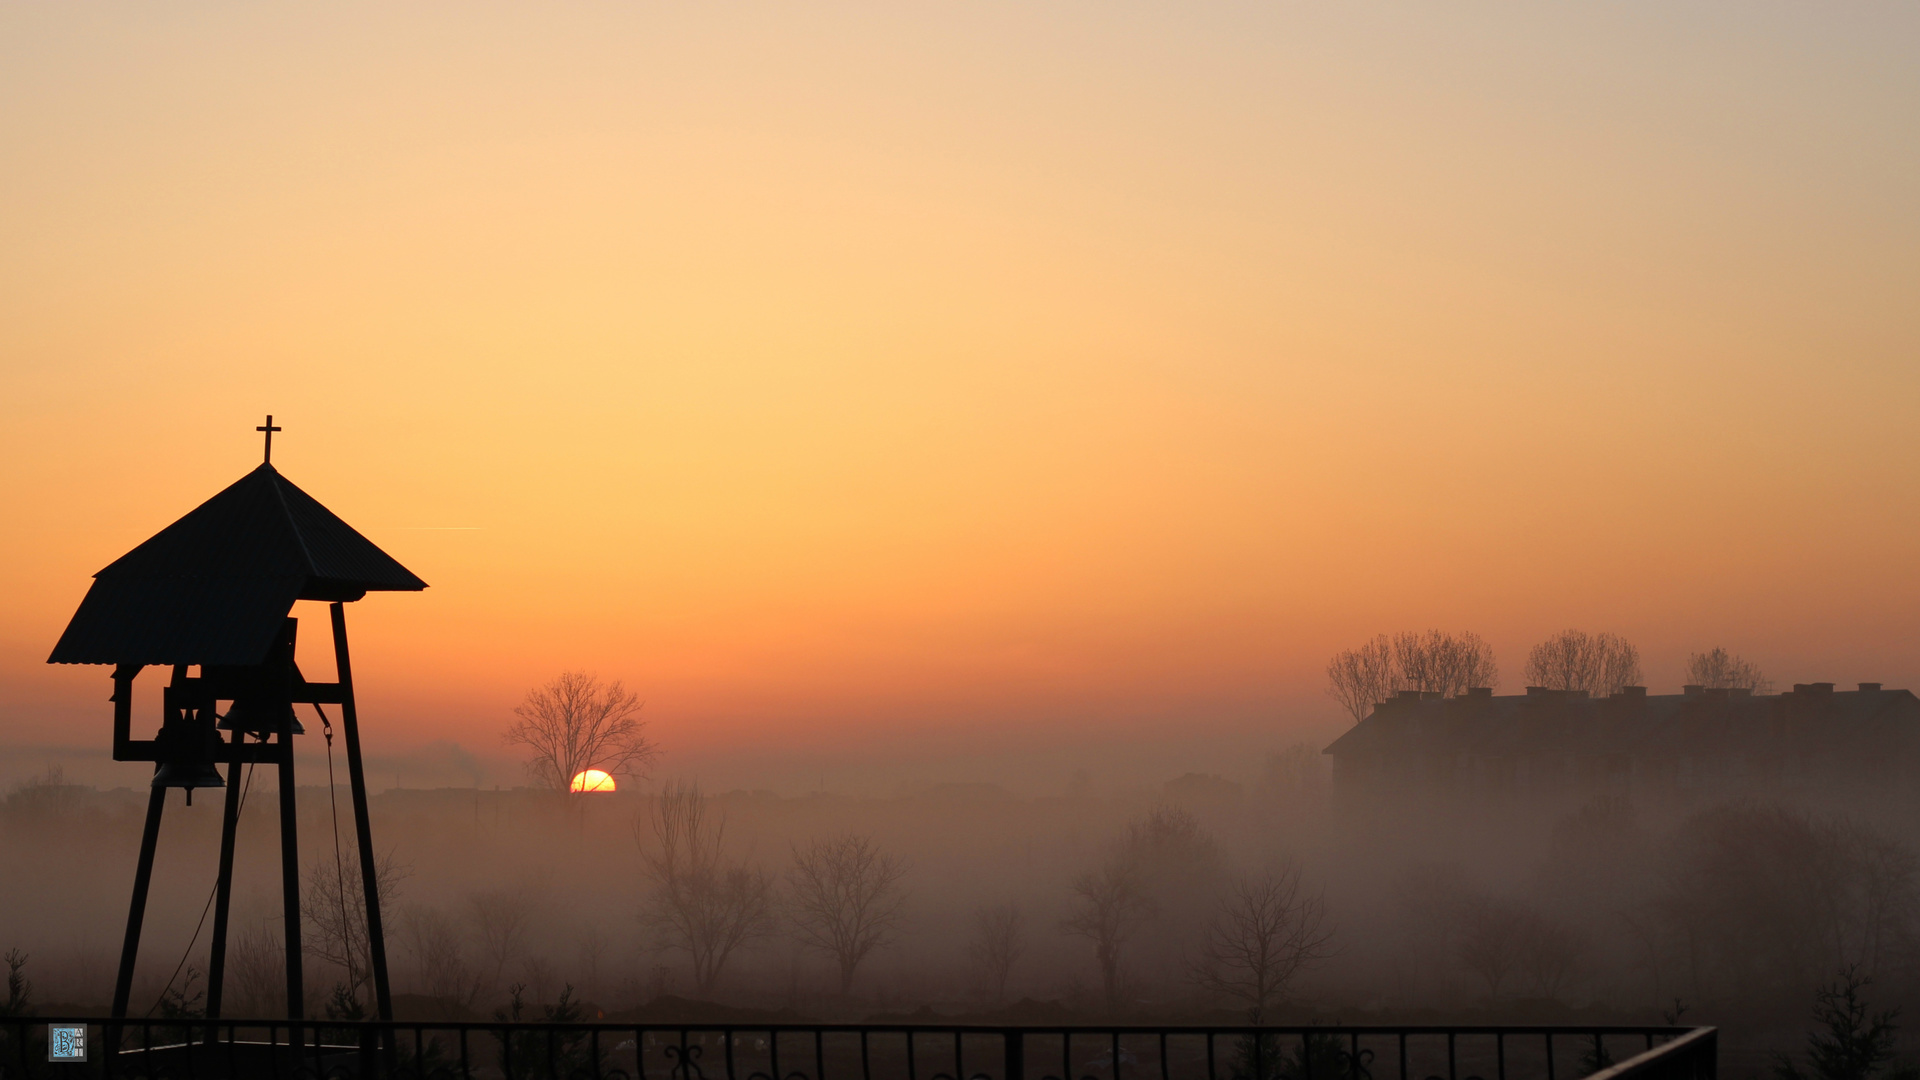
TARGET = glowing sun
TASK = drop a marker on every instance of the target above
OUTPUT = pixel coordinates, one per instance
(592, 780)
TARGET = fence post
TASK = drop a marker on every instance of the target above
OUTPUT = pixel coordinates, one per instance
(1016, 1066)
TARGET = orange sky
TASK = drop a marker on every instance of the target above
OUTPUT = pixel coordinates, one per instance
(833, 371)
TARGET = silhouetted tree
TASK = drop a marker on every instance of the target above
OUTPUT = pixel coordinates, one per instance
(1765, 898)
(256, 979)
(1550, 954)
(592, 949)
(1179, 872)
(575, 723)
(1427, 898)
(1434, 662)
(21, 1042)
(1441, 663)
(1107, 909)
(502, 919)
(19, 987)
(1266, 929)
(845, 897)
(1600, 664)
(1169, 850)
(1717, 669)
(998, 942)
(433, 943)
(335, 907)
(1490, 940)
(1361, 678)
(44, 796)
(1851, 1043)
(1599, 862)
(563, 1050)
(701, 904)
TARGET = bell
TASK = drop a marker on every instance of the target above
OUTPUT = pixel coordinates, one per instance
(189, 775)
(249, 716)
(186, 744)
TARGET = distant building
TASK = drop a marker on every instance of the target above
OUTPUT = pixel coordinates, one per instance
(1558, 745)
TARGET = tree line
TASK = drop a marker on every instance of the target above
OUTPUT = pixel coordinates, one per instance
(1448, 664)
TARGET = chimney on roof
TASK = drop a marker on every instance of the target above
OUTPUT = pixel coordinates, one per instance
(1630, 692)
(1487, 692)
(1693, 689)
(1869, 687)
(1407, 695)
(1813, 688)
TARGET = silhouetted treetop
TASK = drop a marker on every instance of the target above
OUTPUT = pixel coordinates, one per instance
(1435, 662)
(1717, 669)
(1600, 664)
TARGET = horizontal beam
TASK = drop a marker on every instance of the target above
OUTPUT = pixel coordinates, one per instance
(136, 750)
(247, 753)
(319, 693)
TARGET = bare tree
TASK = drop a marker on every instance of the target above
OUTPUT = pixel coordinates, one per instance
(701, 904)
(1882, 894)
(501, 919)
(1434, 662)
(1361, 678)
(335, 907)
(1600, 664)
(1169, 844)
(1107, 908)
(1267, 928)
(999, 935)
(1490, 940)
(845, 895)
(1717, 669)
(19, 988)
(256, 973)
(1766, 897)
(1550, 954)
(1438, 662)
(432, 942)
(575, 723)
(537, 975)
(593, 946)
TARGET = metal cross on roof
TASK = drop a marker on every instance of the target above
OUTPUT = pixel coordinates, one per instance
(269, 429)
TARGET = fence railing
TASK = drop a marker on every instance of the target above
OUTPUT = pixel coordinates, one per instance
(350, 1050)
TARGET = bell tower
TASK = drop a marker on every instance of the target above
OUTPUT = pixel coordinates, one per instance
(210, 597)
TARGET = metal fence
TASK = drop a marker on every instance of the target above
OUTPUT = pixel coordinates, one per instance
(323, 1050)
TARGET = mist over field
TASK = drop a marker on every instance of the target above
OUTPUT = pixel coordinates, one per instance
(1726, 906)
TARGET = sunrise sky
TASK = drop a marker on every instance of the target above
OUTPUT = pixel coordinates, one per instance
(907, 376)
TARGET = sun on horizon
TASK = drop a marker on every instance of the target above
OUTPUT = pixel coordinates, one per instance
(588, 780)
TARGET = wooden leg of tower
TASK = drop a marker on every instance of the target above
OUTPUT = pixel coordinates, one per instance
(137, 911)
(357, 776)
(290, 872)
(223, 887)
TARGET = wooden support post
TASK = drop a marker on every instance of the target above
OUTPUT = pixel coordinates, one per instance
(363, 828)
(223, 886)
(137, 911)
(290, 865)
(123, 676)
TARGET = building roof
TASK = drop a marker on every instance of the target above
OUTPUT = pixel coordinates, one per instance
(1632, 722)
(214, 586)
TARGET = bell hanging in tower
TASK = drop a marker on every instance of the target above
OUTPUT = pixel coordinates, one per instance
(186, 748)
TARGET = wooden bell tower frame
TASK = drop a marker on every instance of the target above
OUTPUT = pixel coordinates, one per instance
(214, 591)
(270, 689)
